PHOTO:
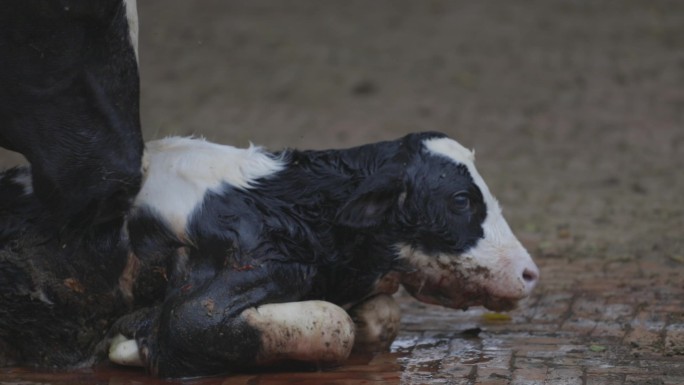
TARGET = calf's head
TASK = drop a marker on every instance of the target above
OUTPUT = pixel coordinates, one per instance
(448, 230)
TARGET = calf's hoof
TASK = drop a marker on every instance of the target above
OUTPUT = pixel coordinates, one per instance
(377, 323)
(125, 352)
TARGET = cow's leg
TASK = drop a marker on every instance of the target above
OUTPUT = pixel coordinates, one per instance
(377, 323)
(69, 102)
(242, 319)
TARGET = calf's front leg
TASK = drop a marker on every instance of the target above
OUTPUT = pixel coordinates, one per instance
(241, 319)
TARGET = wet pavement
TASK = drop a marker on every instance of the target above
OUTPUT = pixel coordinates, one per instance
(591, 321)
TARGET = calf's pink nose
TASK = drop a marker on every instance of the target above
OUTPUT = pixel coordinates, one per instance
(530, 276)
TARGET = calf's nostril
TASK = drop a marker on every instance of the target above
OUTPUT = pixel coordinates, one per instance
(530, 276)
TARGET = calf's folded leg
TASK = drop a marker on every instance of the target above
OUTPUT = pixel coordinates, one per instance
(238, 320)
(309, 331)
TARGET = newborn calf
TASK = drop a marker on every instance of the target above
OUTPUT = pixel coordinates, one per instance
(252, 256)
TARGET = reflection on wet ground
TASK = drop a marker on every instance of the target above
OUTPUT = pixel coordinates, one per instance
(381, 369)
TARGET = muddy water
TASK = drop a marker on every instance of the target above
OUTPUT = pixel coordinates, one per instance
(381, 369)
(422, 355)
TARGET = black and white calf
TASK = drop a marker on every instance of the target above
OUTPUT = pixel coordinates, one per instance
(253, 258)
(234, 258)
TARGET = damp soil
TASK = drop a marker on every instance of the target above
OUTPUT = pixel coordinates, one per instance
(575, 110)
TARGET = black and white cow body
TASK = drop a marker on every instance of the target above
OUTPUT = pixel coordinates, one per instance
(245, 236)
(69, 97)
(69, 102)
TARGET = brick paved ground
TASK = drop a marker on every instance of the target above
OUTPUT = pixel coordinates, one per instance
(590, 322)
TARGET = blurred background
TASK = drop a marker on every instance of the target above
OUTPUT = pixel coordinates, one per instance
(575, 108)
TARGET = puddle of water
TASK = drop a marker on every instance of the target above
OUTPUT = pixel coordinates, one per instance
(404, 344)
(475, 357)
(412, 354)
(381, 369)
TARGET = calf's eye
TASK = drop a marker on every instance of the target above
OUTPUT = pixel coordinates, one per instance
(460, 201)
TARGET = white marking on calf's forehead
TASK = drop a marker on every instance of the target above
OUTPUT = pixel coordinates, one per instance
(180, 171)
(453, 150)
(496, 230)
(132, 18)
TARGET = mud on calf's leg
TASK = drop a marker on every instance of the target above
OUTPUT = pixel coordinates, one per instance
(377, 322)
(310, 331)
(238, 320)
(316, 332)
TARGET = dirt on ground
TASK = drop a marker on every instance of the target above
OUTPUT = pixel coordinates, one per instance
(575, 110)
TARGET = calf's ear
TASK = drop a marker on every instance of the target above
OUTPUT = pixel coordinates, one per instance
(372, 201)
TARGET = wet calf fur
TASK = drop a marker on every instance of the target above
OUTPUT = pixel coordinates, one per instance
(336, 222)
(227, 247)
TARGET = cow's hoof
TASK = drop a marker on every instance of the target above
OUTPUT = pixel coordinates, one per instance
(377, 323)
(123, 351)
(309, 331)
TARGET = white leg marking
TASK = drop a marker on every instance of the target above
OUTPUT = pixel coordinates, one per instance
(123, 351)
(24, 179)
(309, 331)
(132, 18)
(377, 323)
